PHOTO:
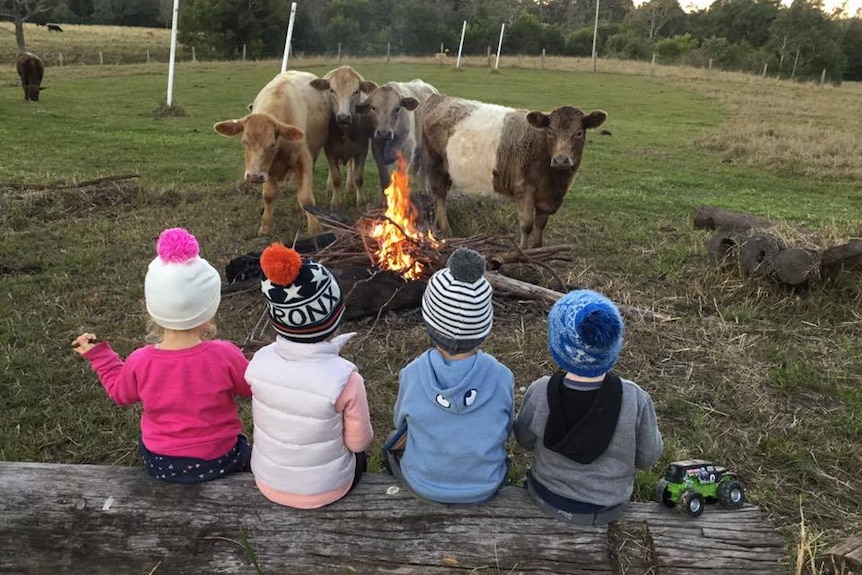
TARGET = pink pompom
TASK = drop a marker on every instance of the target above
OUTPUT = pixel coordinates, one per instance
(177, 245)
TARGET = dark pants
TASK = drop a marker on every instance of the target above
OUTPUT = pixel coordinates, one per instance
(568, 509)
(188, 470)
(361, 467)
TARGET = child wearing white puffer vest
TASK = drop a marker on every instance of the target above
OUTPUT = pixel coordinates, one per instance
(311, 419)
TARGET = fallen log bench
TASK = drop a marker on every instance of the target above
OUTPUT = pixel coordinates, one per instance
(58, 519)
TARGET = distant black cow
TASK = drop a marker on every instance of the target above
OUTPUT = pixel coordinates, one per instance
(54, 28)
(31, 69)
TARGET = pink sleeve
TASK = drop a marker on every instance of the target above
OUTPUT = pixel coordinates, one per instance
(353, 406)
(238, 365)
(113, 374)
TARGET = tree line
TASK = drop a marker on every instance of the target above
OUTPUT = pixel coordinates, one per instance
(800, 40)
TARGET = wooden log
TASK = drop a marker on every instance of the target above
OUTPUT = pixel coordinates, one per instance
(721, 248)
(518, 288)
(710, 218)
(846, 556)
(794, 266)
(370, 292)
(71, 519)
(757, 254)
(845, 256)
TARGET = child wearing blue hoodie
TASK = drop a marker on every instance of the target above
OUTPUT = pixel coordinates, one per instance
(455, 403)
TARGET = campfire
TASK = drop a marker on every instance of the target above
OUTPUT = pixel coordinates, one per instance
(384, 259)
(399, 240)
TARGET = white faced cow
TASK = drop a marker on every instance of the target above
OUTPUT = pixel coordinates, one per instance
(349, 130)
(483, 149)
(287, 127)
(390, 108)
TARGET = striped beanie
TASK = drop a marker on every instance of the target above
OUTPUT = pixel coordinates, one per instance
(303, 297)
(585, 333)
(457, 306)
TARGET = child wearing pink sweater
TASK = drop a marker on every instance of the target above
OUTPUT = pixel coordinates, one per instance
(190, 429)
(311, 419)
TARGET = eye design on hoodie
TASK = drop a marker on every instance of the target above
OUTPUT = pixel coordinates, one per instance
(443, 402)
(470, 397)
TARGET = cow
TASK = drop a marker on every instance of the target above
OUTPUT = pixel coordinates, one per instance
(282, 135)
(31, 69)
(484, 149)
(391, 109)
(349, 131)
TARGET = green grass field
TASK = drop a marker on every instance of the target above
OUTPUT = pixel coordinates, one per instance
(753, 375)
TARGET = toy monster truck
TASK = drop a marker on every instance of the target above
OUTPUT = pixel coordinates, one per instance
(688, 485)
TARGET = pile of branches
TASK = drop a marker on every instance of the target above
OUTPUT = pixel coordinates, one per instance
(353, 246)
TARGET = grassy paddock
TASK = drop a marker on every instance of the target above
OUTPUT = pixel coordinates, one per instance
(763, 379)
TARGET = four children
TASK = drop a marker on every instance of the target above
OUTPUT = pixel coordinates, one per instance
(589, 429)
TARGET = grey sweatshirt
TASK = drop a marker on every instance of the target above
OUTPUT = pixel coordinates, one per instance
(609, 480)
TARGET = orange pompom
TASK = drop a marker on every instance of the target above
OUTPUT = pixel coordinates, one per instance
(280, 264)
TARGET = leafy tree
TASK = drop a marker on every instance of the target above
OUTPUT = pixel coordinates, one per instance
(676, 47)
(126, 12)
(659, 18)
(580, 42)
(811, 34)
(222, 27)
(626, 44)
(737, 20)
(851, 45)
(525, 35)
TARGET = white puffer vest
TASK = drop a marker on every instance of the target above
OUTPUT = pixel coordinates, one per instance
(298, 442)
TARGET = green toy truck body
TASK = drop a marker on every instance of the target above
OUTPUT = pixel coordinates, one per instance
(689, 484)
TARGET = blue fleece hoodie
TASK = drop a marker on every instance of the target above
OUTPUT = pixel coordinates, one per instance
(459, 414)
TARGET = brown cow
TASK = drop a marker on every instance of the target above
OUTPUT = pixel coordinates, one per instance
(484, 149)
(272, 135)
(349, 131)
(31, 69)
(391, 109)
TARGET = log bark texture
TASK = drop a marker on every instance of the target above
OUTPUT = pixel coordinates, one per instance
(72, 519)
(710, 218)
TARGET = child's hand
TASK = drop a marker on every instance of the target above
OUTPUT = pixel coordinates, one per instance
(84, 343)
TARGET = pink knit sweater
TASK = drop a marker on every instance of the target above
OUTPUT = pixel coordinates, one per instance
(188, 395)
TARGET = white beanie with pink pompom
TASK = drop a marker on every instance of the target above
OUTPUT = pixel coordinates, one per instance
(183, 290)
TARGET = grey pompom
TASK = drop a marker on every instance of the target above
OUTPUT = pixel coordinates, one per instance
(466, 265)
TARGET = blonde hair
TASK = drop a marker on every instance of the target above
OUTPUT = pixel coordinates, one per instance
(156, 333)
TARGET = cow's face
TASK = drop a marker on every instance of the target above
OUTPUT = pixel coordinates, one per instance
(346, 89)
(384, 106)
(566, 128)
(261, 138)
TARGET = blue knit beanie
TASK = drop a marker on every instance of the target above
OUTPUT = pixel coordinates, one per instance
(585, 333)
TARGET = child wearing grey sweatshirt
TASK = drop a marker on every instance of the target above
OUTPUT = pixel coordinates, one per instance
(590, 430)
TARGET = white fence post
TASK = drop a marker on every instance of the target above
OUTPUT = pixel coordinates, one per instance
(171, 66)
(289, 36)
(499, 47)
(461, 44)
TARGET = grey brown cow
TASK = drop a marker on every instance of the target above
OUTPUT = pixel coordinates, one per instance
(485, 150)
(31, 70)
(349, 131)
(391, 109)
(282, 136)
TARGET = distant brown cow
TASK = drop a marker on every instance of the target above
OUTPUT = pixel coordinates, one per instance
(272, 136)
(484, 149)
(31, 69)
(349, 131)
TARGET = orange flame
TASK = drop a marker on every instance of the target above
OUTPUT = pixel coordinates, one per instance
(397, 236)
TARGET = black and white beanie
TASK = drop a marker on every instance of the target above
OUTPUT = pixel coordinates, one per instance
(303, 297)
(457, 304)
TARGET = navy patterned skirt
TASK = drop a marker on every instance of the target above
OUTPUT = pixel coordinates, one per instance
(193, 470)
